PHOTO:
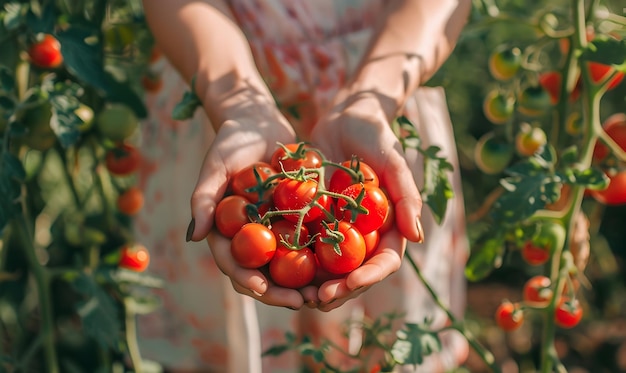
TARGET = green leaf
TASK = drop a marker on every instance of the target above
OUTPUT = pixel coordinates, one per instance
(121, 275)
(41, 20)
(414, 343)
(7, 79)
(276, 350)
(591, 178)
(142, 305)
(64, 121)
(523, 197)
(608, 51)
(486, 255)
(98, 312)
(186, 108)
(15, 15)
(437, 188)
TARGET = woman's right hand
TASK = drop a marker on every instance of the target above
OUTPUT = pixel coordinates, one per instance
(249, 126)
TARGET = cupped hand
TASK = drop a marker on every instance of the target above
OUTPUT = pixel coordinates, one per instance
(358, 126)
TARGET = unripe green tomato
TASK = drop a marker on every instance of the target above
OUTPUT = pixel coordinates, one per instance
(497, 107)
(492, 154)
(117, 122)
(550, 235)
(504, 63)
(529, 140)
(85, 113)
(534, 101)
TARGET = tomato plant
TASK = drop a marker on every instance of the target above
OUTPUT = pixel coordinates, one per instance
(231, 213)
(293, 269)
(509, 316)
(253, 246)
(134, 257)
(340, 248)
(123, 160)
(369, 212)
(45, 52)
(361, 173)
(568, 313)
(294, 195)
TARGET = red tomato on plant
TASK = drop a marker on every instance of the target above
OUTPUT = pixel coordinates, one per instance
(339, 254)
(46, 52)
(292, 157)
(134, 257)
(231, 214)
(537, 291)
(509, 316)
(568, 313)
(341, 179)
(374, 201)
(549, 237)
(248, 182)
(615, 193)
(253, 246)
(123, 160)
(294, 195)
(615, 127)
(131, 201)
(599, 72)
(535, 255)
(293, 268)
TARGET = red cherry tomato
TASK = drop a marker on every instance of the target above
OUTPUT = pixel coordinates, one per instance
(248, 182)
(285, 230)
(341, 179)
(292, 157)
(293, 268)
(374, 200)
(509, 316)
(123, 160)
(46, 53)
(615, 127)
(599, 72)
(343, 256)
(615, 193)
(371, 243)
(134, 257)
(294, 195)
(131, 201)
(537, 291)
(568, 313)
(535, 255)
(231, 214)
(253, 246)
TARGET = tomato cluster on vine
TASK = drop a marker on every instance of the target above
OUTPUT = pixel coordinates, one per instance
(285, 218)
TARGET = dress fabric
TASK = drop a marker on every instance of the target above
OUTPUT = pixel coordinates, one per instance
(304, 50)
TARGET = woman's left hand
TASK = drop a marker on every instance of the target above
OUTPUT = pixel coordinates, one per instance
(358, 126)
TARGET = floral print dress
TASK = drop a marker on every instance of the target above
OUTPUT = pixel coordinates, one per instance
(304, 50)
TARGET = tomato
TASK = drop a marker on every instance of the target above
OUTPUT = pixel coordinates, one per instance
(123, 160)
(248, 182)
(285, 230)
(534, 100)
(615, 193)
(529, 140)
(341, 179)
(253, 246)
(292, 157)
(85, 113)
(492, 154)
(294, 195)
(46, 52)
(389, 220)
(134, 257)
(131, 201)
(568, 313)
(550, 236)
(537, 291)
(293, 268)
(615, 127)
(551, 82)
(497, 107)
(374, 201)
(117, 122)
(599, 72)
(342, 254)
(371, 243)
(504, 62)
(509, 316)
(231, 214)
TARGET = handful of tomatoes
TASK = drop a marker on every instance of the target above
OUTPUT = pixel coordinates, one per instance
(285, 220)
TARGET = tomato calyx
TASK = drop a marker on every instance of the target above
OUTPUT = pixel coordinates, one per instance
(333, 236)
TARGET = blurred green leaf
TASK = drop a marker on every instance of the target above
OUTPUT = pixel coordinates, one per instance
(437, 188)
(485, 256)
(608, 51)
(414, 343)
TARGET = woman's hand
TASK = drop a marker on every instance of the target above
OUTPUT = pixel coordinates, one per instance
(359, 126)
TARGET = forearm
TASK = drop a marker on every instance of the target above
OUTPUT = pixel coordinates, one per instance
(411, 42)
(202, 39)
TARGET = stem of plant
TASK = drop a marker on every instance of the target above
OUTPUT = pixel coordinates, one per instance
(485, 355)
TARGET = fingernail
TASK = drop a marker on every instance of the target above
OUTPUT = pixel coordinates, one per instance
(291, 308)
(331, 301)
(190, 229)
(311, 304)
(256, 293)
(418, 222)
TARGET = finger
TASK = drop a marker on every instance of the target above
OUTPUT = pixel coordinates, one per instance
(310, 296)
(275, 296)
(335, 293)
(386, 260)
(404, 195)
(250, 279)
